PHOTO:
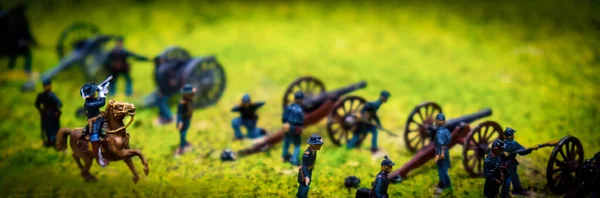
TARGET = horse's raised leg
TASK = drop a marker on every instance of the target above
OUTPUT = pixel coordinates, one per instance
(129, 163)
(78, 160)
(85, 172)
(128, 153)
(132, 152)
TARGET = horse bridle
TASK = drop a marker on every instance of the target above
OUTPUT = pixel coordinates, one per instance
(111, 104)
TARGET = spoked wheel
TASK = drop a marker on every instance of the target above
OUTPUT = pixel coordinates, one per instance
(342, 119)
(477, 143)
(174, 53)
(168, 64)
(419, 124)
(310, 86)
(208, 76)
(562, 165)
(75, 33)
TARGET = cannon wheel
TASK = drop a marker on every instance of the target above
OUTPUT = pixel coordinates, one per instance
(477, 144)
(166, 64)
(564, 160)
(174, 53)
(75, 32)
(309, 85)
(420, 119)
(208, 76)
(341, 117)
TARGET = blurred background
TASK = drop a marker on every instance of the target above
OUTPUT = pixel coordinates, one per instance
(534, 63)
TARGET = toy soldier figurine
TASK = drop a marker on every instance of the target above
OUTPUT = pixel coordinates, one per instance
(248, 118)
(185, 110)
(48, 105)
(95, 118)
(368, 112)
(380, 186)
(492, 170)
(308, 164)
(19, 37)
(293, 122)
(442, 139)
(117, 62)
(511, 147)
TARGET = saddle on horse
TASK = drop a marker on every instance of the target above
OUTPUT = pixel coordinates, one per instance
(84, 139)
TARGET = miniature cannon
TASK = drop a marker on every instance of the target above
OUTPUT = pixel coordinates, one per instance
(475, 141)
(174, 67)
(317, 105)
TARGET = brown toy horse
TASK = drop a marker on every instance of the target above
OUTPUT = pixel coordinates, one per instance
(115, 143)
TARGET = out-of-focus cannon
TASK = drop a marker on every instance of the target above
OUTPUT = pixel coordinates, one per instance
(317, 105)
(475, 141)
(88, 53)
(174, 67)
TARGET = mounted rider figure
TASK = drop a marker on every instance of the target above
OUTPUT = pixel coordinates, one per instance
(95, 117)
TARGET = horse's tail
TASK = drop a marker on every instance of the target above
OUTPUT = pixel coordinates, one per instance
(61, 138)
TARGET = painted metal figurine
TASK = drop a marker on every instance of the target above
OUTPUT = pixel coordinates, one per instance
(16, 36)
(513, 146)
(308, 164)
(95, 118)
(118, 65)
(493, 169)
(248, 118)
(185, 110)
(442, 139)
(380, 186)
(48, 105)
(368, 112)
(293, 121)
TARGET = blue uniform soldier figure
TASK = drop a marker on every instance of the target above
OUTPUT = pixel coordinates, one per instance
(293, 123)
(511, 147)
(368, 112)
(442, 139)
(248, 118)
(308, 164)
(118, 65)
(380, 186)
(492, 170)
(48, 105)
(184, 114)
(95, 117)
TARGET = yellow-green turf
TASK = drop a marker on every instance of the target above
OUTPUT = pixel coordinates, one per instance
(535, 63)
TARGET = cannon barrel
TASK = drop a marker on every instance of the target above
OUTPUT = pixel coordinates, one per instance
(309, 103)
(453, 123)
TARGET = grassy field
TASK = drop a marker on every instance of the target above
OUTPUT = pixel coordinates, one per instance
(535, 64)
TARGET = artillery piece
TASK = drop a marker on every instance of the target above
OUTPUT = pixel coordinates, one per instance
(174, 67)
(317, 105)
(85, 47)
(475, 141)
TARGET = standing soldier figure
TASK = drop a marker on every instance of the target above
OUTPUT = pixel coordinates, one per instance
(117, 62)
(511, 147)
(95, 118)
(442, 139)
(380, 186)
(48, 105)
(248, 118)
(185, 110)
(293, 122)
(492, 170)
(369, 111)
(308, 164)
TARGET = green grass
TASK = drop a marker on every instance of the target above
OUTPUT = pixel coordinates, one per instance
(535, 64)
